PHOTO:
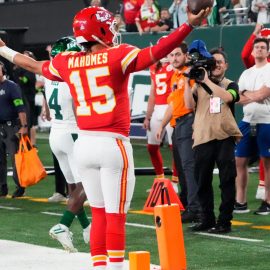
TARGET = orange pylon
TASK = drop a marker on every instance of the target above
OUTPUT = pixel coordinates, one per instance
(170, 238)
(154, 197)
(139, 260)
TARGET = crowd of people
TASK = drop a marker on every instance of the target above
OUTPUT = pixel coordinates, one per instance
(195, 106)
(151, 16)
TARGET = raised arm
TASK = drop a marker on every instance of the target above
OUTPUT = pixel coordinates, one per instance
(21, 60)
(247, 58)
(150, 55)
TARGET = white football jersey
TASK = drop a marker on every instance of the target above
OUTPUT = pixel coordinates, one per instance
(63, 129)
(60, 104)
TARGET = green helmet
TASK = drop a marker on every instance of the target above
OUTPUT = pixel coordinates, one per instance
(65, 44)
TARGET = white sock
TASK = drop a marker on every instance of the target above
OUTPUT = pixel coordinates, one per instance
(100, 267)
(116, 266)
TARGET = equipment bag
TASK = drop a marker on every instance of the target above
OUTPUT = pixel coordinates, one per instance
(29, 167)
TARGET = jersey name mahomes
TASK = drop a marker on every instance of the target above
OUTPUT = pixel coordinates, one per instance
(88, 60)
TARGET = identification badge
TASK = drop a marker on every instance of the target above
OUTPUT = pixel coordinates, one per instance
(215, 105)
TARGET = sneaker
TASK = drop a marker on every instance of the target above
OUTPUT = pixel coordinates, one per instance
(86, 234)
(175, 187)
(264, 209)
(202, 226)
(240, 208)
(19, 192)
(220, 229)
(57, 197)
(63, 235)
(4, 191)
(260, 194)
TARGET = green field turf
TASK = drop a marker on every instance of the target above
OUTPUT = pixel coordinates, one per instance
(24, 220)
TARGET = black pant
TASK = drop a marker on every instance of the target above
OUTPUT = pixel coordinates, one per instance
(220, 152)
(183, 143)
(180, 171)
(9, 144)
(60, 181)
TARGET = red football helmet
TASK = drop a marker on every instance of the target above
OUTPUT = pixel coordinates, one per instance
(95, 24)
(265, 33)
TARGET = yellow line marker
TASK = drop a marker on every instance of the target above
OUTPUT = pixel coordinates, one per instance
(39, 200)
(17, 198)
(141, 212)
(261, 227)
(240, 223)
(23, 198)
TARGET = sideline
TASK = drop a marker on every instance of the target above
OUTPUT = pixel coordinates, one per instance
(16, 255)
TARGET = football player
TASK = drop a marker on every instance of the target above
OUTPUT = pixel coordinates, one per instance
(160, 73)
(98, 79)
(63, 134)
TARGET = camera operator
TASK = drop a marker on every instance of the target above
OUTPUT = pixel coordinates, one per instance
(215, 130)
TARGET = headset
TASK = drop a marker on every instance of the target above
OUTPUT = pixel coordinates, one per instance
(4, 70)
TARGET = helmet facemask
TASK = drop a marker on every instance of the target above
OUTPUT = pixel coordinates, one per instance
(116, 39)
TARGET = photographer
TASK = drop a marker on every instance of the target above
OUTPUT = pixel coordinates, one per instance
(214, 134)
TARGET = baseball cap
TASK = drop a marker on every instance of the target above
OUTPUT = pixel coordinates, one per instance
(200, 47)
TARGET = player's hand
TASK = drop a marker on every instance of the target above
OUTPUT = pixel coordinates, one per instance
(146, 124)
(196, 20)
(2, 43)
(45, 116)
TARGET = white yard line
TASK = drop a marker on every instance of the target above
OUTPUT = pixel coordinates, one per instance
(137, 225)
(230, 237)
(141, 225)
(51, 214)
(9, 208)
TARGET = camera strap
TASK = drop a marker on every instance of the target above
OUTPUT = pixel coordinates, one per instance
(207, 89)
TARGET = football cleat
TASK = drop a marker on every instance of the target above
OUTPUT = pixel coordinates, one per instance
(57, 197)
(86, 234)
(63, 235)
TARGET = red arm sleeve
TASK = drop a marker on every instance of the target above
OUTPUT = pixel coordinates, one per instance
(47, 74)
(247, 58)
(150, 55)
